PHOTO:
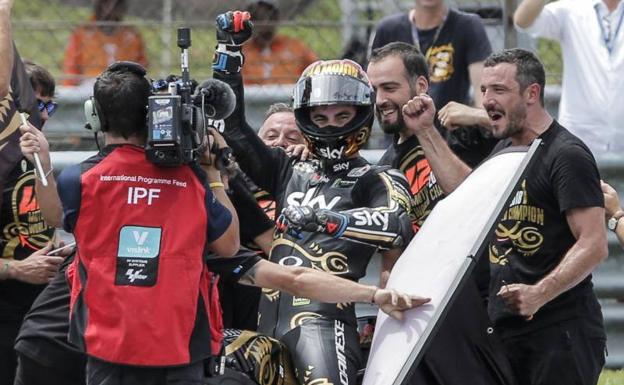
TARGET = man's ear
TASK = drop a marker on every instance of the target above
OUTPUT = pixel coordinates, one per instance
(422, 85)
(532, 93)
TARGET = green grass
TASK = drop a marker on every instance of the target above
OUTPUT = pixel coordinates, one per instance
(611, 377)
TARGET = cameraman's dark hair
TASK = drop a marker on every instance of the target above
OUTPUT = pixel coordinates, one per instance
(122, 99)
(40, 79)
(529, 69)
(414, 61)
(277, 108)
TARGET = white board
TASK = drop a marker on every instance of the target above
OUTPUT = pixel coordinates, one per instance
(438, 257)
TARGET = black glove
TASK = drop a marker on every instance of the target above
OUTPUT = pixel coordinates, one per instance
(295, 219)
(233, 29)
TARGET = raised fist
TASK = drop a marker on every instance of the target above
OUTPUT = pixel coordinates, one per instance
(234, 27)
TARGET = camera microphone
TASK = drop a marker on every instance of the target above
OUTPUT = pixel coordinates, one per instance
(216, 98)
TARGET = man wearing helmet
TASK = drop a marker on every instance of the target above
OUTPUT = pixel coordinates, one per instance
(337, 210)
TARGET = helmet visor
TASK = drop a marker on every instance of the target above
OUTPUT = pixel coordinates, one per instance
(331, 89)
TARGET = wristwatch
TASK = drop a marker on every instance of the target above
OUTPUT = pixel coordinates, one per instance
(612, 223)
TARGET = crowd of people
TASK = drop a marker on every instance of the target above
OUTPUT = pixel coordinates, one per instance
(243, 264)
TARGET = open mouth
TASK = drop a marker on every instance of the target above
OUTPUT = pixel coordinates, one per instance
(386, 110)
(495, 115)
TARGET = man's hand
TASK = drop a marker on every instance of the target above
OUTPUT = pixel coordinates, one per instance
(33, 141)
(525, 300)
(455, 115)
(295, 219)
(38, 268)
(612, 201)
(418, 114)
(298, 151)
(394, 303)
(234, 27)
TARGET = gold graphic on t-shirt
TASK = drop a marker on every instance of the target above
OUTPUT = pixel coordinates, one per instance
(520, 224)
(527, 240)
(441, 63)
(300, 318)
(331, 262)
(28, 228)
(271, 294)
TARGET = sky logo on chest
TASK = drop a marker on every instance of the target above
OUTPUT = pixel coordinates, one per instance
(139, 242)
(309, 198)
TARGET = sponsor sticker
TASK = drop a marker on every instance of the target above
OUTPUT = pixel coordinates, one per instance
(137, 256)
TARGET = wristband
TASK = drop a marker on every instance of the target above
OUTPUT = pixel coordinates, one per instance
(375, 292)
(214, 185)
(228, 61)
(47, 174)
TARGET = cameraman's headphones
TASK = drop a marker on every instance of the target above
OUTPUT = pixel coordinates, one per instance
(95, 120)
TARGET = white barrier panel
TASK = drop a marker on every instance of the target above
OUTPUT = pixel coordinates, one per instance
(436, 260)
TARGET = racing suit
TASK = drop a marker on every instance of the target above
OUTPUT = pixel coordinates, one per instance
(321, 337)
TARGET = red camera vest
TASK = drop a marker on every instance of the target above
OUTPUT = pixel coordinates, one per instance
(141, 293)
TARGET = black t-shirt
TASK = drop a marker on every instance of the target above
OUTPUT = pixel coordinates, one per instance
(533, 235)
(23, 232)
(409, 157)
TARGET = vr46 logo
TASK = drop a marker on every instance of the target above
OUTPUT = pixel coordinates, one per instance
(367, 218)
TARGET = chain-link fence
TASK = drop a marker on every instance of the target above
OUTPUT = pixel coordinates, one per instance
(330, 28)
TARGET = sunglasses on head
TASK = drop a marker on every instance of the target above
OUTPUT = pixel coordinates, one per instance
(48, 106)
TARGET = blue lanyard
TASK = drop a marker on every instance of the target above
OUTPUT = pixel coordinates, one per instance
(609, 42)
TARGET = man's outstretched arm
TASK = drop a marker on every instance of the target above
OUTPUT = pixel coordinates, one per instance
(324, 287)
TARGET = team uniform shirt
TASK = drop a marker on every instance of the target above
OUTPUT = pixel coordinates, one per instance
(23, 232)
(533, 235)
(280, 63)
(142, 233)
(409, 158)
(90, 50)
(592, 84)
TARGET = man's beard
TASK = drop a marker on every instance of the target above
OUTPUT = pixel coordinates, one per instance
(391, 128)
(516, 120)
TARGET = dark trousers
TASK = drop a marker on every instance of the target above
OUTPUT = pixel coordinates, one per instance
(570, 352)
(8, 358)
(31, 372)
(105, 373)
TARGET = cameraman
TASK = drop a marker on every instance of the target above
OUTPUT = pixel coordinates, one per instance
(143, 303)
